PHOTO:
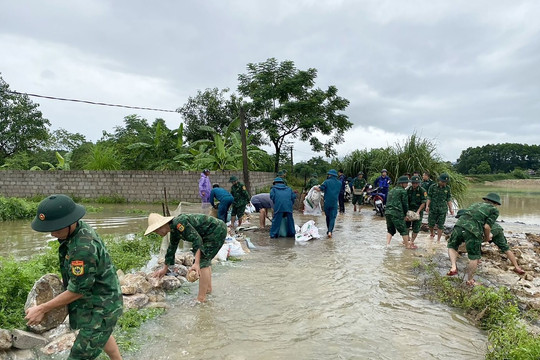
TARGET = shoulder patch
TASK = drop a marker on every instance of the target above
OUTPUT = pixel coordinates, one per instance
(425, 193)
(180, 227)
(77, 267)
(244, 187)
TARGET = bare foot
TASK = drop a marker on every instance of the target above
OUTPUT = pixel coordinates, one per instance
(329, 234)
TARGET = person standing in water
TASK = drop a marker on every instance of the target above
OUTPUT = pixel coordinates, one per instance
(331, 188)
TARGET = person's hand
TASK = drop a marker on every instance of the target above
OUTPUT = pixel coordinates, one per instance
(427, 209)
(160, 273)
(34, 315)
(195, 267)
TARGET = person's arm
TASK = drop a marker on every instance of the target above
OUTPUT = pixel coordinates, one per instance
(487, 232)
(451, 208)
(405, 203)
(212, 196)
(196, 263)
(35, 314)
(174, 240)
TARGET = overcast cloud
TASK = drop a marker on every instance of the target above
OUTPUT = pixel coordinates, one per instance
(462, 73)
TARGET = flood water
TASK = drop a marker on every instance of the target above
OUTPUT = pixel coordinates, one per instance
(349, 297)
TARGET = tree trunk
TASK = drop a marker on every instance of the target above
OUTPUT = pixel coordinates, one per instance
(278, 153)
(245, 163)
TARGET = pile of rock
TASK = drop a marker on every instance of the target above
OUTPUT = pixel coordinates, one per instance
(53, 335)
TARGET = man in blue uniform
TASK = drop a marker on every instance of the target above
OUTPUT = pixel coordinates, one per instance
(343, 179)
(283, 198)
(331, 188)
(225, 201)
(383, 183)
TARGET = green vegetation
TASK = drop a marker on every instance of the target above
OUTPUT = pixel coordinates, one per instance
(494, 310)
(499, 158)
(515, 174)
(133, 253)
(15, 208)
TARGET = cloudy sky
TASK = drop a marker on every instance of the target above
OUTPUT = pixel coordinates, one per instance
(461, 73)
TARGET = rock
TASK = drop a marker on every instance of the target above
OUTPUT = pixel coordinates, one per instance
(5, 339)
(136, 301)
(182, 279)
(4, 355)
(179, 259)
(138, 280)
(57, 331)
(45, 289)
(154, 282)
(529, 277)
(157, 305)
(27, 340)
(192, 276)
(60, 344)
(156, 295)
(170, 283)
(120, 275)
(22, 355)
(128, 289)
(189, 259)
(178, 270)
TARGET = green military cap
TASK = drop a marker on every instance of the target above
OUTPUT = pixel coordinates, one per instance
(460, 212)
(415, 179)
(444, 177)
(493, 197)
(332, 172)
(281, 173)
(360, 173)
(57, 212)
(403, 180)
(233, 179)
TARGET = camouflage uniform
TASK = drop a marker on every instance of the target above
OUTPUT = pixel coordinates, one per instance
(498, 238)
(358, 184)
(313, 181)
(397, 206)
(241, 199)
(426, 184)
(438, 207)
(87, 269)
(470, 228)
(206, 233)
(416, 197)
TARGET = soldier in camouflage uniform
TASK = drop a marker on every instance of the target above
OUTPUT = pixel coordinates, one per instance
(417, 196)
(358, 184)
(241, 199)
(397, 206)
(313, 181)
(438, 203)
(207, 235)
(426, 181)
(92, 293)
(473, 227)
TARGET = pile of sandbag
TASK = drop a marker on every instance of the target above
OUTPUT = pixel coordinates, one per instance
(307, 232)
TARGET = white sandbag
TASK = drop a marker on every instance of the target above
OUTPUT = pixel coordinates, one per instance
(223, 253)
(250, 208)
(235, 249)
(312, 202)
(412, 216)
(307, 232)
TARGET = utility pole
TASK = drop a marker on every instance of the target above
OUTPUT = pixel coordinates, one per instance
(292, 163)
(245, 164)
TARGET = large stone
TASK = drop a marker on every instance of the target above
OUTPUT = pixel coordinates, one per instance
(5, 339)
(128, 289)
(156, 295)
(45, 289)
(189, 259)
(157, 305)
(60, 344)
(154, 282)
(138, 281)
(170, 283)
(22, 355)
(178, 270)
(4, 355)
(136, 301)
(57, 331)
(27, 340)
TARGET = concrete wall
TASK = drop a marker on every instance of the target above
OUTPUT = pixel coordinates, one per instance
(131, 185)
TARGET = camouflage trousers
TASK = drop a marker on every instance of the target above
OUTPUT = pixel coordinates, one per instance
(212, 244)
(92, 338)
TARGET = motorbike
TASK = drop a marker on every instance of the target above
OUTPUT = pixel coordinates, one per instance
(376, 198)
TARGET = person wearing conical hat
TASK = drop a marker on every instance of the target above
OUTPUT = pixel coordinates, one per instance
(92, 290)
(331, 188)
(241, 199)
(207, 235)
(396, 210)
(473, 227)
(439, 202)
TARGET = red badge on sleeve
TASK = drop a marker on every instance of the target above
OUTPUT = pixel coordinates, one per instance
(77, 267)
(180, 227)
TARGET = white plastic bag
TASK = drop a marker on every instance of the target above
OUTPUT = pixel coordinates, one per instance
(235, 248)
(307, 232)
(223, 253)
(312, 202)
(250, 208)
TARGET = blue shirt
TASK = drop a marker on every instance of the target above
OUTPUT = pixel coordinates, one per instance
(343, 181)
(283, 198)
(331, 188)
(219, 194)
(382, 182)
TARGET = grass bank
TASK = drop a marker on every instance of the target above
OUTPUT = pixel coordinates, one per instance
(17, 279)
(495, 310)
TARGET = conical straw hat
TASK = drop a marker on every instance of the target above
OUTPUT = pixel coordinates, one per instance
(155, 221)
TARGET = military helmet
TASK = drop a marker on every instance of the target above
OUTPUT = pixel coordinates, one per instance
(332, 172)
(403, 179)
(415, 179)
(493, 197)
(57, 212)
(360, 173)
(444, 177)
(460, 212)
(233, 179)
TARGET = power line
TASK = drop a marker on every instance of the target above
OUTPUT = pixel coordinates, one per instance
(89, 102)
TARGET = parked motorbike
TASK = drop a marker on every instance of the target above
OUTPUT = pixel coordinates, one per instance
(376, 198)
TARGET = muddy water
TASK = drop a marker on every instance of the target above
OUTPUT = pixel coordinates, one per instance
(348, 297)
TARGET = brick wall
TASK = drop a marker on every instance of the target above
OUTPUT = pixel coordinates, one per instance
(130, 185)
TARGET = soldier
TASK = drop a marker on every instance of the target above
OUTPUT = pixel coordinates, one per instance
(426, 181)
(283, 175)
(283, 198)
(225, 200)
(438, 203)
(206, 233)
(92, 290)
(358, 185)
(331, 188)
(396, 210)
(417, 196)
(473, 227)
(313, 181)
(241, 199)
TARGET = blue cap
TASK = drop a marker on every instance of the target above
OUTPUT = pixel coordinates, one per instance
(332, 172)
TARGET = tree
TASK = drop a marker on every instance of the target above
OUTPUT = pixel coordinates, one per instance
(23, 126)
(483, 168)
(286, 105)
(500, 158)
